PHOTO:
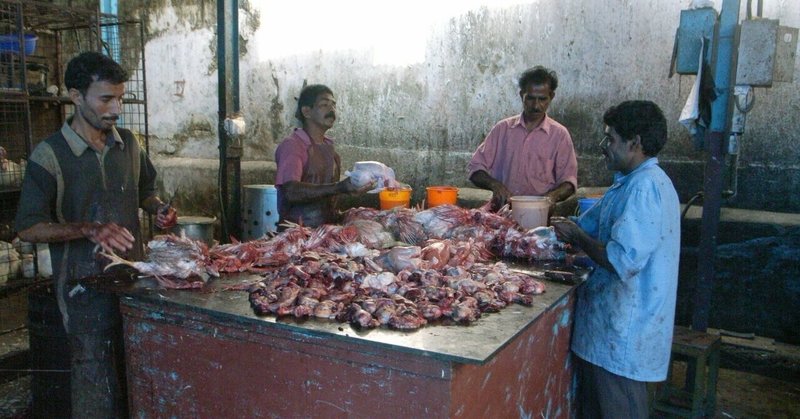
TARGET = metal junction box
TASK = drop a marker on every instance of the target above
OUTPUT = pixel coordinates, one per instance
(696, 25)
(785, 54)
(757, 43)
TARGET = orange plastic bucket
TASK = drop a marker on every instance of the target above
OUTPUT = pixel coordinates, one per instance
(399, 197)
(441, 195)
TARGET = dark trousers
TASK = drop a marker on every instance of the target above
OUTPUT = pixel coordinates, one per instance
(601, 394)
(98, 361)
(96, 382)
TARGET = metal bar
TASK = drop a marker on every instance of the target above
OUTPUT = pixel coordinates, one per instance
(144, 104)
(229, 149)
(222, 93)
(24, 79)
(144, 87)
(234, 145)
(724, 69)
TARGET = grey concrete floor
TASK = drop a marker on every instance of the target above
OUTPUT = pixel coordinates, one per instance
(743, 394)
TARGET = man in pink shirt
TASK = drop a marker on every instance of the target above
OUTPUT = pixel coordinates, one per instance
(308, 165)
(530, 153)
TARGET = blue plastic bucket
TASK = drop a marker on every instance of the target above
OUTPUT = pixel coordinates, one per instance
(10, 43)
(585, 203)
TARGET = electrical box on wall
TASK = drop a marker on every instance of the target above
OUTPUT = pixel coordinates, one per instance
(696, 28)
(785, 54)
(757, 42)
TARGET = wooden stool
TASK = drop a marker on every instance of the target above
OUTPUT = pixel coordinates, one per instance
(698, 397)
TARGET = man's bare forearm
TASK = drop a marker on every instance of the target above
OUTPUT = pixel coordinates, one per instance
(110, 236)
(152, 204)
(484, 180)
(55, 232)
(561, 192)
(306, 192)
(596, 251)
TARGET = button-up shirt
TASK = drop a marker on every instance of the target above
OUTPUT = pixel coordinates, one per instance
(624, 319)
(527, 162)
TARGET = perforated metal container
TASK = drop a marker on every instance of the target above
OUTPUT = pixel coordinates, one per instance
(259, 211)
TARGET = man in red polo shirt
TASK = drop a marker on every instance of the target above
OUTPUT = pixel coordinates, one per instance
(309, 167)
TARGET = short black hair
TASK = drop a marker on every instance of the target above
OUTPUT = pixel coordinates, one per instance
(89, 67)
(538, 75)
(308, 96)
(642, 118)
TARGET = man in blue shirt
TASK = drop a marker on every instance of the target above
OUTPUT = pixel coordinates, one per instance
(625, 311)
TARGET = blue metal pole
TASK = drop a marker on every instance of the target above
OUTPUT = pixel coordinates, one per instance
(723, 67)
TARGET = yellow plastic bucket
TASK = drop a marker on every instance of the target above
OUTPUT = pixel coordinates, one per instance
(442, 195)
(399, 197)
(530, 211)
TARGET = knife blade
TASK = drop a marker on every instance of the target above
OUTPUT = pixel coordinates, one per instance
(564, 277)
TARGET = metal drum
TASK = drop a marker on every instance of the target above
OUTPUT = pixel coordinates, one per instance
(50, 355)
(259, 211)
(195, 228)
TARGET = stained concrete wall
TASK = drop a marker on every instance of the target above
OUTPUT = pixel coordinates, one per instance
(425, 119)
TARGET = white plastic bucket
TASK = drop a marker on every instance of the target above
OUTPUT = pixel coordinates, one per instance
(259, 211)
(530, 211)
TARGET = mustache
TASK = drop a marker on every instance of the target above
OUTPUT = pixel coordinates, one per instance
(111, 118)
(330, 114)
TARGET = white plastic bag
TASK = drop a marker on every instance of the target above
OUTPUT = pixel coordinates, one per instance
(368, 172)
(10, 173)
(9, 262)
(43, 260)
(691, 109)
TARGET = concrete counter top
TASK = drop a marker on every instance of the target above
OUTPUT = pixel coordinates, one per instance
(475, 343)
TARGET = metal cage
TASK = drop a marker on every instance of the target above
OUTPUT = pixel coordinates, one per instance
(34, 102)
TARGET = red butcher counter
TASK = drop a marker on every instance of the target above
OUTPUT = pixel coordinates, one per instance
(205, 354)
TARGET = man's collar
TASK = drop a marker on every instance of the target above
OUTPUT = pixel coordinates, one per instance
(78, 145)
(303, 134)
(620, 178)
(544, 125)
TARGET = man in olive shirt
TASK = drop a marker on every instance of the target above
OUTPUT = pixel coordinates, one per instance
(82, 191)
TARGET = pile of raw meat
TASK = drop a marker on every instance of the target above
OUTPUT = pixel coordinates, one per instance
(401, 268)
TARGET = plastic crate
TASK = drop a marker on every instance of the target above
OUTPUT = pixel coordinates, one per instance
(10, 43)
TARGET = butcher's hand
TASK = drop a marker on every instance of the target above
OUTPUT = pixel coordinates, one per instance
(566, 230)
(346, 186)
(500, 196)
(166, 216)
(110, 236)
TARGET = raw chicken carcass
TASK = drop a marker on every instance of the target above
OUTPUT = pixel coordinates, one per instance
(171, 256)
(400, 257)
(368, 172)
